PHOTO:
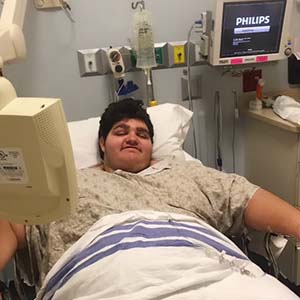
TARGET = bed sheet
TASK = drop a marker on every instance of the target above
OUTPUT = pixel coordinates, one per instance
(154, 255)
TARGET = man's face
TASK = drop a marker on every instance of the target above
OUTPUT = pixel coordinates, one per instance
(127, 147)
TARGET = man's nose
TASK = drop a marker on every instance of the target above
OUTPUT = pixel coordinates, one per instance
(131, 138)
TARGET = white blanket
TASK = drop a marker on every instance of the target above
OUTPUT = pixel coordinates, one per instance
(287, 108)
(150, 255)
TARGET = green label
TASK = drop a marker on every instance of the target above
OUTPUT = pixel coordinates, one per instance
(159, 56)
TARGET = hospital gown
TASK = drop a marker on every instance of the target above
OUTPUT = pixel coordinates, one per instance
(169, 186)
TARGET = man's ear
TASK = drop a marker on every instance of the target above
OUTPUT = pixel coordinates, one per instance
(102, 144)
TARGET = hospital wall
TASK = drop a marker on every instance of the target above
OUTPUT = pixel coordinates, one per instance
(51, 68)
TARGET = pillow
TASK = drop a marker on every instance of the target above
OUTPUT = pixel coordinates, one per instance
(170, 121)
(84, 139)
(188, 157)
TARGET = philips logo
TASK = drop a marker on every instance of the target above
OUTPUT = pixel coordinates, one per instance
(241, 21)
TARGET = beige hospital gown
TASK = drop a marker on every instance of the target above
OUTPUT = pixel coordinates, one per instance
(181, 187)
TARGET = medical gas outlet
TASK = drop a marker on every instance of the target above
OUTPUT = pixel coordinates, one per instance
(116, 63)
(179, 53)
(122, 59)
(161, 55)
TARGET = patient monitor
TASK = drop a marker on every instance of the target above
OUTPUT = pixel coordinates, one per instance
(37, 171)
(250, 31)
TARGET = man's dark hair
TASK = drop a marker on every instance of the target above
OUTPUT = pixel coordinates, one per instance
(124, 109)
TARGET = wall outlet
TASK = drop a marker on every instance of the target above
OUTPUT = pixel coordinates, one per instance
(90, 62)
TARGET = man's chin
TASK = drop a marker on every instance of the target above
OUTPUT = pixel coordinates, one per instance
(134, 169)
(134, 166)
(131, 162)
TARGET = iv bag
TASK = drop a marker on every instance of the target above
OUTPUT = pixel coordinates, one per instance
(144, 43)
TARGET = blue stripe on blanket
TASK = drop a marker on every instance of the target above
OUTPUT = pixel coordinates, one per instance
(136, 230)
(169, 222)
(122, 246)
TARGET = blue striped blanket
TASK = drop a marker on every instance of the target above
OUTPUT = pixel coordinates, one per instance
(145, 255)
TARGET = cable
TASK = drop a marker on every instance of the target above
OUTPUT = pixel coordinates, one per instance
(235, 117)
(121, 85)
(113, 90)
(218, 132)
(272, 259)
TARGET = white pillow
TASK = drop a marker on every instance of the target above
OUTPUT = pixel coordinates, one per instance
(84, 139)
(170, 121)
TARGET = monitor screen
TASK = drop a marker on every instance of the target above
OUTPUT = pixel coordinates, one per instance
(251, 28)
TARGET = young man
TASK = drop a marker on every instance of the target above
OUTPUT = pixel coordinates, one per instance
(128, 180)
(264, 211)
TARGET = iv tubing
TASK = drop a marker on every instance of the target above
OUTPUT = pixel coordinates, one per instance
(150, 92)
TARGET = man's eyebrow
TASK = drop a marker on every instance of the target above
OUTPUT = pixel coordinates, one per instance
(121, 125)
(142, 129)
(125, 126)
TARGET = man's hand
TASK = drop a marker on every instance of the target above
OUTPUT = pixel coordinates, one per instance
(12, 237)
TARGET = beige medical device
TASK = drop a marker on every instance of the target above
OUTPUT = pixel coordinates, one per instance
(37, 170)
(12, 42)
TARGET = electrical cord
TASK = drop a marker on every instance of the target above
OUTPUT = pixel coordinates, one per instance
(218, 131)
(274, 265)
(235, 117)
(67, 9)
(121, 85)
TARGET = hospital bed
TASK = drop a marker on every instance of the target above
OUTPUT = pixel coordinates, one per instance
(220, 267)
(205, 264)
(212, 268)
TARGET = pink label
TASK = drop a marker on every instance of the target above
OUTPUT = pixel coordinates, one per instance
(236, 61)
(262, 58)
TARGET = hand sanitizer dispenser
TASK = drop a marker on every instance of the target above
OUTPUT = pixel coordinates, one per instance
(257, 103)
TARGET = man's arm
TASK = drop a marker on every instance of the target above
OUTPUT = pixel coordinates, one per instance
(12, 237)
(268, 212)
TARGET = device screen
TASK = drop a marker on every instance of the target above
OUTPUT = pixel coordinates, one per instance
(252, 28)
